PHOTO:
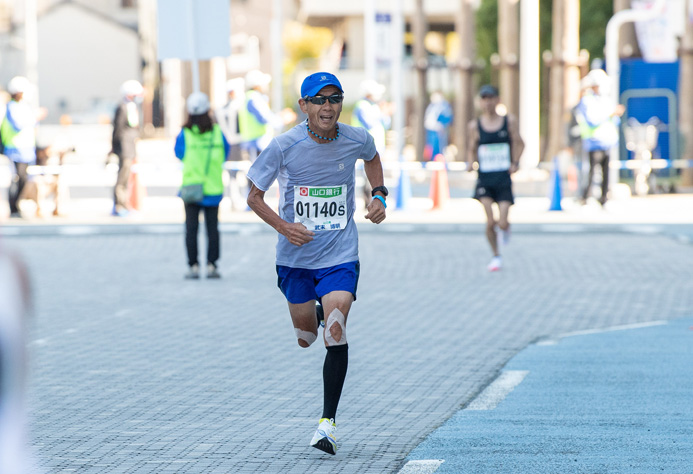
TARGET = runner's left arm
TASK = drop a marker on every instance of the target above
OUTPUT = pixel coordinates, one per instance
(374, 173)
(517, 143)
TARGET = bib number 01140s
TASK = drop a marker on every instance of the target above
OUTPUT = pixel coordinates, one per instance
(321, 207)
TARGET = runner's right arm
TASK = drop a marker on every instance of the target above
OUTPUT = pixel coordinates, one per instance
(472, 144)
(295, 232)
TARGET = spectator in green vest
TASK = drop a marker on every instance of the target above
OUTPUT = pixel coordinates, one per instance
(256, 120)
(202, 148)
(369, 114)
(18, 135)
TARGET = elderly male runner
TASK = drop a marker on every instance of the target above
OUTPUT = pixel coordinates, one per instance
(317, 250)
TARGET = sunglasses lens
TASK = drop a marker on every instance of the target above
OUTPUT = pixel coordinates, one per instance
(321, 99)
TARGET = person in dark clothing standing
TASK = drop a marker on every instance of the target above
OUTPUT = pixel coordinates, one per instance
(495, 146)
(202, 148)
(126, 131)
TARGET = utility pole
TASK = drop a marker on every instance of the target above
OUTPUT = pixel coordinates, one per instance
(370, 67)
(529, 83)
(146, 16)
(31, 47)
(686, 96)
(419, 27)
(465, 25)
(509, 51)
(564, 75)
(277, 56)
(396, 86)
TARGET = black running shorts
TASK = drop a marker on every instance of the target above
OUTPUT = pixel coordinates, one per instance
(496, 185)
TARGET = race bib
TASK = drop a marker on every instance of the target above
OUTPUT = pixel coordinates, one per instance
(321, 207)
(494, 157)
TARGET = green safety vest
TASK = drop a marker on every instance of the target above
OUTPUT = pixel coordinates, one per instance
(197, 153)
(606, 132)
(13, 138)
(249, 126)
(378, 130)
(355, 122)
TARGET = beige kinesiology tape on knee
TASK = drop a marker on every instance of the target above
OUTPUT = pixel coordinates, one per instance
(307, 336)
(335, 317)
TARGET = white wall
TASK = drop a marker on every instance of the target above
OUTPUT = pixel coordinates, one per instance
(83, 58)
(442, 8)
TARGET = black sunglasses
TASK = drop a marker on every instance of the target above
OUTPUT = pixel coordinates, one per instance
(320, 99)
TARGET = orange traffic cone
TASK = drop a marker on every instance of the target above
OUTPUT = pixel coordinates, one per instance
(440, 190)
(572, 178)
(428, 152)
(137, 191)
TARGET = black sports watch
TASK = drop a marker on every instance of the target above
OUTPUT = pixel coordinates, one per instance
(381, 189)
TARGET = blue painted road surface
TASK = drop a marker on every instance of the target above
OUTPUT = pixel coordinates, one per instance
(618, 401)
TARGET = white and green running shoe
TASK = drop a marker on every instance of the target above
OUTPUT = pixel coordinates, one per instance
(324, 438)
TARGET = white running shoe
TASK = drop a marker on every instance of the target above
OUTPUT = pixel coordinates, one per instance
(495, 265)
(324, 438)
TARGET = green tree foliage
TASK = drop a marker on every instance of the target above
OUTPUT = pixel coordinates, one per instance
(305, 43)
(594, 15)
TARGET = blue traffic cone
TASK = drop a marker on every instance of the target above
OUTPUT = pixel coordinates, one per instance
(403, 188)
(555, 188)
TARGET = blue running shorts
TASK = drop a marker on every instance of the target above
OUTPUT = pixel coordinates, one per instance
(300, 285)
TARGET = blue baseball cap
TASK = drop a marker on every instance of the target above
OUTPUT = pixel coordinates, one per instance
(313, 83)
(487, 90)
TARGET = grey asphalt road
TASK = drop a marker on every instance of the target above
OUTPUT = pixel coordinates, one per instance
(135, 370)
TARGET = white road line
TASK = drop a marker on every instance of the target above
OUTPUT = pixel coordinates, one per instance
(498, 390)
(427, 466)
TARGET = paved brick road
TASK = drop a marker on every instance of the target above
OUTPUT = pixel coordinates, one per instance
(137, 371)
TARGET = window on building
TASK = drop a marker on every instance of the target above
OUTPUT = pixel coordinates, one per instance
(128, 3)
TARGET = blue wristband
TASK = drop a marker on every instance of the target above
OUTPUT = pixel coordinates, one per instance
(381, 199)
